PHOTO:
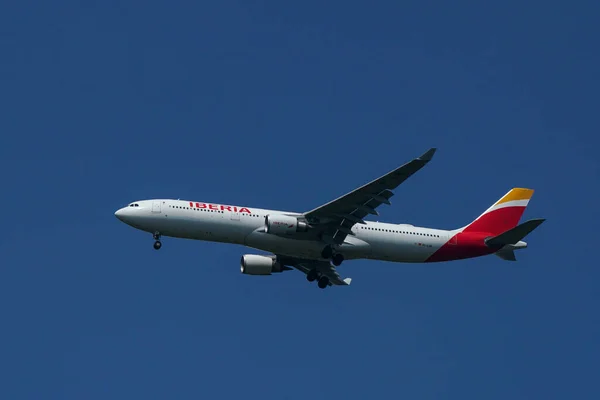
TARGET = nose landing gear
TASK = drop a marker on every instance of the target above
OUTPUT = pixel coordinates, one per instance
(157, 243)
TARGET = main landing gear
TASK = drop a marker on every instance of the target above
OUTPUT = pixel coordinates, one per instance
(323, 282)
(336, 258)
(157, 243)
(314, 275)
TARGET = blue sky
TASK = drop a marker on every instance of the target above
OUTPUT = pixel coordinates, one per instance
(273, 105)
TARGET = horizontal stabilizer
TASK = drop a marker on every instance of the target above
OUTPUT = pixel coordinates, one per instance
(506, 254)
(514, 235)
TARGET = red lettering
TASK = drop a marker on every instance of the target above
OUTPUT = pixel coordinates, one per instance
(217, 207)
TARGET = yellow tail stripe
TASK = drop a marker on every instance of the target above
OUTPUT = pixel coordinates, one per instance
(516, 194)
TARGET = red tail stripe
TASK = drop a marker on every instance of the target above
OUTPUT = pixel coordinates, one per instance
(497, 221)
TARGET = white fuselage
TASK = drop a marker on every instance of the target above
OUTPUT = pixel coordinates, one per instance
(246, 226)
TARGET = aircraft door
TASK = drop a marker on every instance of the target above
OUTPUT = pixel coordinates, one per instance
(156, 206)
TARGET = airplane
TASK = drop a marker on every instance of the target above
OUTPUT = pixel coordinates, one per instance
(317, 242)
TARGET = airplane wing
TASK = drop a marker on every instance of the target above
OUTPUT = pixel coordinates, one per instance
(337, 217)
(324, 267)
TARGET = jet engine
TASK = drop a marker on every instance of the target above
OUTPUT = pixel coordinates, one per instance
(284, 225)
(252, 264)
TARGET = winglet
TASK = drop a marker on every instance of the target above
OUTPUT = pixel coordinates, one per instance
(428, 155)
(347, 281)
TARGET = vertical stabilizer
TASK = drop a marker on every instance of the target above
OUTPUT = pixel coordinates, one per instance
(503, 214)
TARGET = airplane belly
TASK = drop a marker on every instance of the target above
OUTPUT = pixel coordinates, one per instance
(210, 229)
(186, 228)
(354, 247)
(351, 249)
(408, 250)
(284, 246)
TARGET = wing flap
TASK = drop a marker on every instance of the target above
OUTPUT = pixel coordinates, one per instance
(323, 267)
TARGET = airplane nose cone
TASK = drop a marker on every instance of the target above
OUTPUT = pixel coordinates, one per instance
(120, 214)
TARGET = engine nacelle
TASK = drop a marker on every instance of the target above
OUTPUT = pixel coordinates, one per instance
(252, 264)
(284, 225)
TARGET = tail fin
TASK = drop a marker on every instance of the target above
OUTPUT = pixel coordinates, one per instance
(503, 214)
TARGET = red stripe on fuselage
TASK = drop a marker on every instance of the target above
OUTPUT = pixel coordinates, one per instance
(462, 245)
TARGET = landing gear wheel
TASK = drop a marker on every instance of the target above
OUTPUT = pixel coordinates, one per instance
(157, 243)
(323, 282)
(337, 259)
(327, 252)
(312, 275)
